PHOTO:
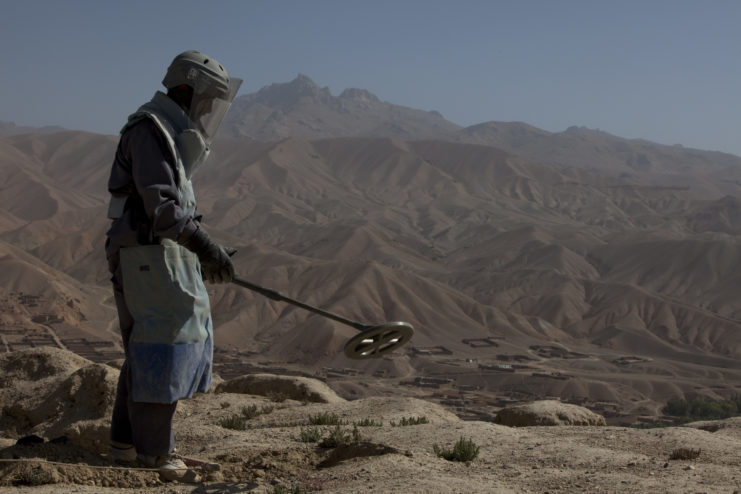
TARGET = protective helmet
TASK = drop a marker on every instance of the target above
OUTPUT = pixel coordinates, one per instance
(213, 89)
(199, 71)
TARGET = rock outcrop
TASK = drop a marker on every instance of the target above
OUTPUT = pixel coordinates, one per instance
(547, 412)
(274, 386)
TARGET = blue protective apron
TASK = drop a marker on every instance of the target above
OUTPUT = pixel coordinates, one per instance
(171, 345)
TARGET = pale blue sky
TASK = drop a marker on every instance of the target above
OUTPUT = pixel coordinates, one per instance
(667, 71)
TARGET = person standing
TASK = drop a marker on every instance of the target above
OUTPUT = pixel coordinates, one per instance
(159, 256)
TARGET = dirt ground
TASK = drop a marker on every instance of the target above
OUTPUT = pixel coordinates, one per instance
(264, 444)
(269, 455)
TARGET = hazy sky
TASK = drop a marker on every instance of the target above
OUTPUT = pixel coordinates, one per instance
(668, 71)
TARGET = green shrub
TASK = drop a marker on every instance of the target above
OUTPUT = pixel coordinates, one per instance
(702, 409)
(410, 421)
(250, 412)
(310, 435)
(235, 422)
(685, 454)
(325, 418)
(368, 422)
(464, 450)
(337, 436)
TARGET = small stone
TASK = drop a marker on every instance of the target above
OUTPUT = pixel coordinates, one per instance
(689, 467)
(666, 465)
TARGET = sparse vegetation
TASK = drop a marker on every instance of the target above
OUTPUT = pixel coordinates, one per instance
(410, 421)
(277, 396)
(325, 418)
(338, 436)
(702, 409)
(367, 422)
(252, 411)
(685, 454)
(238, 421)
(310, 435)
(235, 422)
(463, 450)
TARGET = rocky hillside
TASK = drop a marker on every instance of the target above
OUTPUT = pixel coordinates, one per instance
(522, 279)
(54, 424)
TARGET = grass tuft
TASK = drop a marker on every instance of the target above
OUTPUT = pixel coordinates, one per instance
(464, 450)
(325, 418)
(410, 421)
(685, 454)
(277, 396)
(234, 422)
(337, 437)
(310, 435)
(367, 422)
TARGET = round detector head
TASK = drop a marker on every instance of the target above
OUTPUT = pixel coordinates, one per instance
(379, 340)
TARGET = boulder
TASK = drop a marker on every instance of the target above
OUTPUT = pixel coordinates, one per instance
(281, 387)
(55, 393)
(547, 412)
(37, 364)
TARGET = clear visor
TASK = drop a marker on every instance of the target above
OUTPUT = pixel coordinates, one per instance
(208, 108)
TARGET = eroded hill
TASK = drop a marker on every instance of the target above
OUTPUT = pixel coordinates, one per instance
(522, 279)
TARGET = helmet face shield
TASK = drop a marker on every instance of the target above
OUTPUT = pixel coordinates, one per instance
(209, 106)
(213, 90)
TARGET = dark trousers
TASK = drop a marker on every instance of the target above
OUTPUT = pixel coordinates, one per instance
(148, 426)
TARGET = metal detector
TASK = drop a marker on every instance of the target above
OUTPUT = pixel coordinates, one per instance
(373, 341)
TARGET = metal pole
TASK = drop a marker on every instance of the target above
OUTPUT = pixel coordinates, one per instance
(274, 295)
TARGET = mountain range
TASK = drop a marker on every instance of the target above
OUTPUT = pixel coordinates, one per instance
(302, 109)
(576, 265)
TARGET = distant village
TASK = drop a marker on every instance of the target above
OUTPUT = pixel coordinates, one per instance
(468, 401)
(38, 330)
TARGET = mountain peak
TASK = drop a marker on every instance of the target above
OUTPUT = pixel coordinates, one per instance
(303, 81)
(289, 94)
(356, 94)
(300, 108)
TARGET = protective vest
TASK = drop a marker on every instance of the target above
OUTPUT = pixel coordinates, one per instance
(171, 345)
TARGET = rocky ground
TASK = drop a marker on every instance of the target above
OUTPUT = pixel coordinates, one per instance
(55, 394)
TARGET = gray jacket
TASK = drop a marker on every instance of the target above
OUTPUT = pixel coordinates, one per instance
(143, 170)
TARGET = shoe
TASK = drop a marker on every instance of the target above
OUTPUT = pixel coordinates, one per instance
(170, 467)
(121, 452)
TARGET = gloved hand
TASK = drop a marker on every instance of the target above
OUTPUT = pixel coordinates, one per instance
(216, 267)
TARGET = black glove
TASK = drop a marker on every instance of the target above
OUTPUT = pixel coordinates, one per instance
(216, 266)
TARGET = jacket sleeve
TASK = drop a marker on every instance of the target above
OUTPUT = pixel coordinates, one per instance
(154, 180)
